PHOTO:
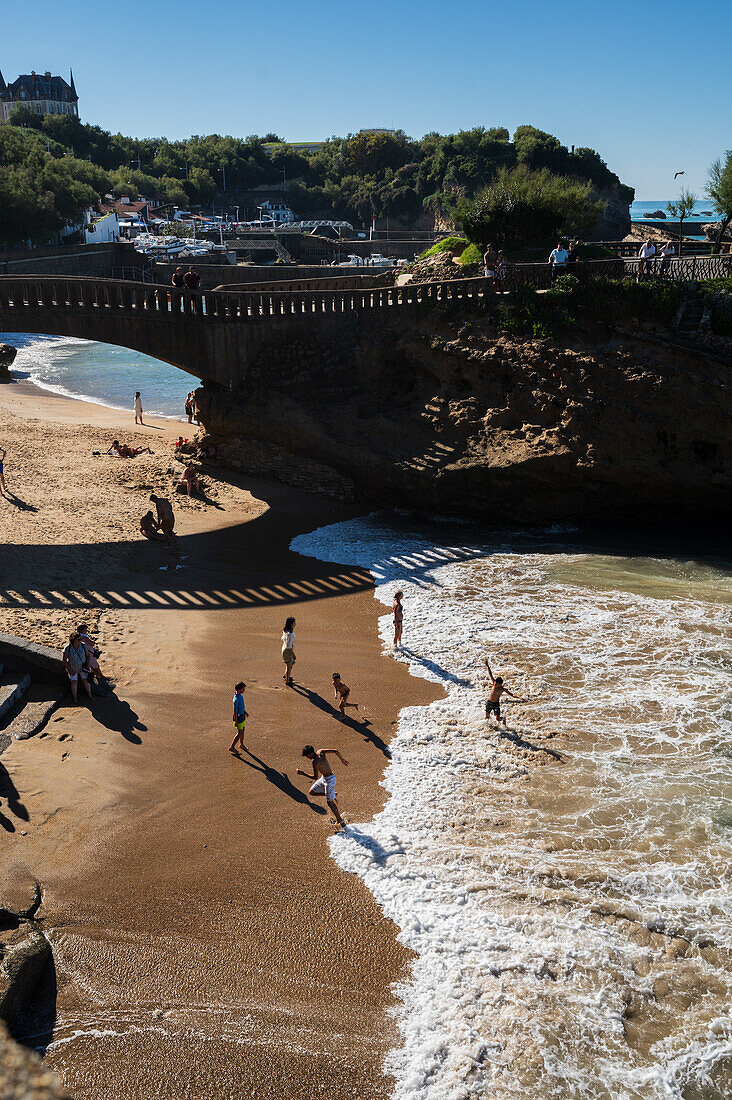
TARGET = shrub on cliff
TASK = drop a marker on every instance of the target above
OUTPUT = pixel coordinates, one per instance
(523, 207)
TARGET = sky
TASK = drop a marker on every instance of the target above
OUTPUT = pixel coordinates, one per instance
(640, 82)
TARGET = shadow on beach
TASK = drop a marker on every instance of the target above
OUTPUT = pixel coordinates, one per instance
(11, 794)
(363, 727)
(278, 780)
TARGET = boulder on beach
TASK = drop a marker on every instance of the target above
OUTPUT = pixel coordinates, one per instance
(7, 358)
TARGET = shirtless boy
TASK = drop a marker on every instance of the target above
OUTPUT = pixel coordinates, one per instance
(398, 612)
(149, 528)
(324, 785)
(341, 692)
(166, 519)
(493, 703)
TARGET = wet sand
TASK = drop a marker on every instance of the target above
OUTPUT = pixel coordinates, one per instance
(205, 944)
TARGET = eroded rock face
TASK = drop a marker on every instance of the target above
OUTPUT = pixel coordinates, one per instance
(456, 419)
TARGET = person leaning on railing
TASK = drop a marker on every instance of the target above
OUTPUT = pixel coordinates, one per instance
(558, 261)
(667, 252)
(646, 258)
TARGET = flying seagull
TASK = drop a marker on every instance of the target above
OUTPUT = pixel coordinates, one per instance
(679, 174)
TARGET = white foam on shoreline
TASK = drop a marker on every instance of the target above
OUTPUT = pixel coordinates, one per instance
(529, 913)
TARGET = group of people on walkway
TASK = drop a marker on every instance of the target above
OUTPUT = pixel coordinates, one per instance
(648, 257)
(188, 280)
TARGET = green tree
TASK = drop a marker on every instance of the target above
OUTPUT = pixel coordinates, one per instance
(719, 190)
(523, 207)
(682, 208)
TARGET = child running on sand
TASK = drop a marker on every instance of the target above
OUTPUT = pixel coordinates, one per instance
(324, 785)
(239, 719)
(398, 612)
(493, 703)
(341, 692)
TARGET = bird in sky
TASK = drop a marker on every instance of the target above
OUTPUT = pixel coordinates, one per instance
(679, 174)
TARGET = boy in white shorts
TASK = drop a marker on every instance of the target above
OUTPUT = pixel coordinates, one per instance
(324, 785)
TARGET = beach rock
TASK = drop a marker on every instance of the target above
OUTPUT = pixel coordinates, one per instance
(23, 960)
(22, 1074)
(657, 215)
(7, 358)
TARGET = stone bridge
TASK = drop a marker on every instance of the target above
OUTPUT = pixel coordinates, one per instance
(216, 335)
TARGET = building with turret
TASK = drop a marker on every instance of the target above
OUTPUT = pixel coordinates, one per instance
(43, 93)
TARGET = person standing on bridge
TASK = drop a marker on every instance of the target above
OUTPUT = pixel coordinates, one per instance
(138, 408)
(191, 279)
(177, 279)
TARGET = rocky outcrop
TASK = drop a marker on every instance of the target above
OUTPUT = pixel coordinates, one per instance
(711, 229)
(447, 416)
(23, 1076)
(7, 358)
(614, 223)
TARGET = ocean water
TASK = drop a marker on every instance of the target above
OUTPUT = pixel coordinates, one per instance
(566, 885)
(648, 206)
(103, 373)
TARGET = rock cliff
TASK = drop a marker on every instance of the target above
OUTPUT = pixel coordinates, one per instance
(447, 416)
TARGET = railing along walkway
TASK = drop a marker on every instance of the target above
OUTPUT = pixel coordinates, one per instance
(82, 295)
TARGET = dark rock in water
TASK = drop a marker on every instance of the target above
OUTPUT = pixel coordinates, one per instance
(657, 215)
(7, 358)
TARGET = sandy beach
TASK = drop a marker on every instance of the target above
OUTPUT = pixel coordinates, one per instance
(205, 944)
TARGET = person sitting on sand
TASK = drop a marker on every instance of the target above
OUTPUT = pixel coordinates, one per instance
(398, 613)
(240, 718)
(190, 479)
(341, 693)
(288, 649)
(149, 528)
(3, 453)
(165, 519)
(74, 659)
(122, 450)
(90, 649)
(324, 785)
(493, 703)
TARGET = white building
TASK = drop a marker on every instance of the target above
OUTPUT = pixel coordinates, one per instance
(101, 229)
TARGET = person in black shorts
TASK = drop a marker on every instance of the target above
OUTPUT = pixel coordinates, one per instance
(493, 702)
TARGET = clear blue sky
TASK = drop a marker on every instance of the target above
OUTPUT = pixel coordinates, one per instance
(638, 82)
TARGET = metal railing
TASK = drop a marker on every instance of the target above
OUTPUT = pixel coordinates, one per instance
(81, 295)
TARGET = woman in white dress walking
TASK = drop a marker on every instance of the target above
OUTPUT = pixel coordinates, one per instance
(138, 408)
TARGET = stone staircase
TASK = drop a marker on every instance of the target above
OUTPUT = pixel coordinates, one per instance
(25, 705)
(690, 317)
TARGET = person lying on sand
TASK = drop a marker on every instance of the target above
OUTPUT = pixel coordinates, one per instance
(190, 479)
(341, 692)
(165, 519)
(240, 718)
(149, 527)
(324, 785)
(493, 702)
(121, 450)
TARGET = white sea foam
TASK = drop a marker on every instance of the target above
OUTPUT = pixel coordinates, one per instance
(570, 910)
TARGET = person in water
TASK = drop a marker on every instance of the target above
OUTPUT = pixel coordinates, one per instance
(493, 702)
(341, 692)
(324, 785)
(398, 613)
(239, 719)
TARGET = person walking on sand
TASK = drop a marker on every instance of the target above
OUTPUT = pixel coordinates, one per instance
(288, 649)
(3, 453)
(74, 660)
(189, 408)
(493, 702)
(239, 719)
(165, 519)
(324, 785)
(138, 409)
(341, 692)
(398, 613)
